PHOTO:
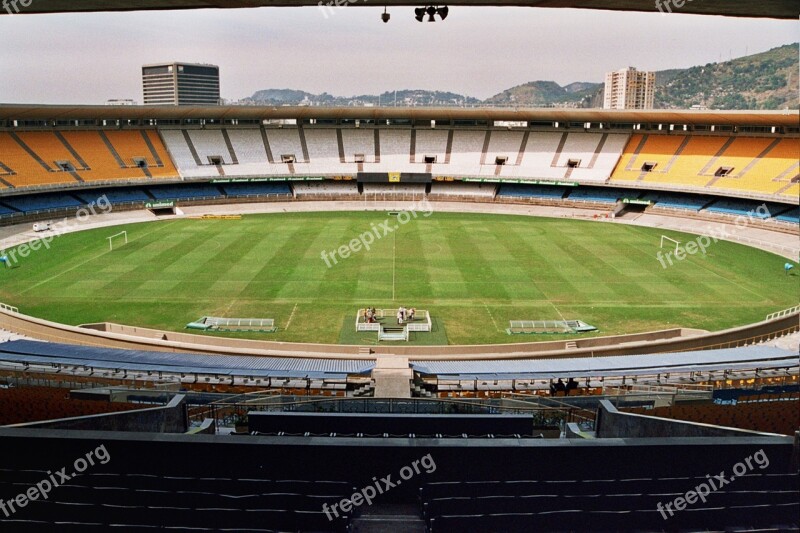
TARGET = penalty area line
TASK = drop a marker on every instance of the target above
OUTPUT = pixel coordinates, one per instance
(492, 317)
(51, 278)
(291, 316)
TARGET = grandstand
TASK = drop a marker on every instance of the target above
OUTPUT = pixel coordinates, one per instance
(82, 156)
(761, 165)
(164, 402)
(225, 433)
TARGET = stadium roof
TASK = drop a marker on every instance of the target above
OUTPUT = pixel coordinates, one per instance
(43, 353)
(23, 112)
(783, 9)
(35, 352)
(706, 360)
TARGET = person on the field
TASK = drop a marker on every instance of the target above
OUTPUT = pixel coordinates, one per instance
(411, 313)
(400, 316)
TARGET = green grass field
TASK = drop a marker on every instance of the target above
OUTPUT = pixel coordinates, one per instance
(473, 272)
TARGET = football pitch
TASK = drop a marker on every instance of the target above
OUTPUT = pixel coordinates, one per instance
(474, 273)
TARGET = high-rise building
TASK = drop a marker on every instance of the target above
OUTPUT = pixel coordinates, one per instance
(120, 101)
(180, 84)
(629, 89)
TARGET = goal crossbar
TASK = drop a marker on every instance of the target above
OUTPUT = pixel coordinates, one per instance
(665, 238)
(111, 239)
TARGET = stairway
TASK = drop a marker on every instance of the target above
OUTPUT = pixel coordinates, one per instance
(389, 518)
(420, 392)
(364, 391)
(393, 333)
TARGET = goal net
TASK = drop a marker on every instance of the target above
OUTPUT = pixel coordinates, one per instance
(120, 239)
(670, 242)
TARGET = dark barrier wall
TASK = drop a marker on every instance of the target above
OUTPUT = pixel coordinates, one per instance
(612, 423)
(359, 460)
(172, 418)
(391, 424)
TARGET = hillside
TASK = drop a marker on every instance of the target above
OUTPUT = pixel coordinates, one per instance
(768, 80)
(547, 94)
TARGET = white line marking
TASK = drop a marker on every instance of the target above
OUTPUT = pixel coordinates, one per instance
(51, 278)
(490, 316)
(291, 316)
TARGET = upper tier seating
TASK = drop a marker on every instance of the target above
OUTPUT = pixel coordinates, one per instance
(564, 156)
(347, 150)
(210, 144)
(716, 164)
(431, 145)
(132, 146)
(358, 144)
(323, 152)
(395, 145)
(181, 152)
(47, 158)
(762, 165)
(29, 169)
(465, 154)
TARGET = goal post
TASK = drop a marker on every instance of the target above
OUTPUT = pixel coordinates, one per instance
(122, 234)
(665, 238)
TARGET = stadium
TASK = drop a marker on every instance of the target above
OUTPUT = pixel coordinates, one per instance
(399, 319)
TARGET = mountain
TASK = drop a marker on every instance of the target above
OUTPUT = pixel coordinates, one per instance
(405, 97)
(280, 96)
(546, 94)
(768, 80)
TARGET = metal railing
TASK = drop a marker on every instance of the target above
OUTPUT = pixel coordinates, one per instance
(785, 312)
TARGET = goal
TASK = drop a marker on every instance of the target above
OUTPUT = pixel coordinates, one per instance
(118, 237)
(665, 238)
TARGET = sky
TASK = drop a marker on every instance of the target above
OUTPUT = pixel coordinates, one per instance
(479, 52)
